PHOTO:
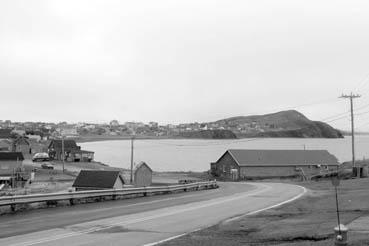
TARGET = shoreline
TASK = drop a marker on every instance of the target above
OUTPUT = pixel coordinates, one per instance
(114, 138)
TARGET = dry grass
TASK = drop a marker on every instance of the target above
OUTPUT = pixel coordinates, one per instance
(307, 221)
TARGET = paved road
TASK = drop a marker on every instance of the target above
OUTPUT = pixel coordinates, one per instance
(140, 221)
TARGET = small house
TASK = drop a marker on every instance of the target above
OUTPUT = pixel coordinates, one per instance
(98, 180)
(6, 133)
(5, 145)
(238, 164)
(21, 144)
(142, 175)
(11, 168)
(72, 152)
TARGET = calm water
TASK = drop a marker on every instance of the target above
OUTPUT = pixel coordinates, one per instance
(196, 155)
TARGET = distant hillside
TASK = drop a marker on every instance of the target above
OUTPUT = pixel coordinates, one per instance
(282, 124)
(209, 134)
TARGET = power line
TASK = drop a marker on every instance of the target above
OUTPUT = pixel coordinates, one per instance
(362, 113)
(297, 106)
(131, 176)
(362, 82)
(233, 141)
(334, 116)
(336, 119)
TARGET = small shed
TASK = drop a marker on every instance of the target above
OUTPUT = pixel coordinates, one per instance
(142, 175)
(98, 180)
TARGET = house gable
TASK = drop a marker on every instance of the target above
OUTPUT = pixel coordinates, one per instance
(96, 179)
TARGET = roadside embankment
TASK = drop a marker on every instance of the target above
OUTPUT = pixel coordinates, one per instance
(307, 221)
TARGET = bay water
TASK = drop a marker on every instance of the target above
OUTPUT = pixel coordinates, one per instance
(197, 154)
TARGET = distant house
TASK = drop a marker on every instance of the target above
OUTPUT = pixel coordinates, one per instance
(236, 164)
(98, 180)
(21, 144)
(5, 145)
(6, 133)
(11, 168)
(142, 175)
(72, 152)
(19, 132)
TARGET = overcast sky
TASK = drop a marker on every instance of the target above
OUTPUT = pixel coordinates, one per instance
(182, 61)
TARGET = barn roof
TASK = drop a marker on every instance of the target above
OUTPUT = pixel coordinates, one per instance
(97, 179)
(21, 141)
(11, 156)
(255, 157)
(141, 164)
(68, 144)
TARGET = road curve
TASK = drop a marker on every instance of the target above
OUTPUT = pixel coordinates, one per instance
(142, 221)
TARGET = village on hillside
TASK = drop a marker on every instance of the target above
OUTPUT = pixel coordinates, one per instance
(285, 120)
(39, 130)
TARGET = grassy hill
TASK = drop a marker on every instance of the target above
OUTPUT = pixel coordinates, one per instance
(289, 123)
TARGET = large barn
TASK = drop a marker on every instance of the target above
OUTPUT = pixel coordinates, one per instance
(238, 164)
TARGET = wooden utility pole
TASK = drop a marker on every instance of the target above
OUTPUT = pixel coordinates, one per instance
(63, 152)
(351, 97)
(132, 139)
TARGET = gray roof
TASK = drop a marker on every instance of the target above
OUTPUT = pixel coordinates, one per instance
(254, 157)
(141, 164)
(11, 156)
(97, 179)
(69, 144)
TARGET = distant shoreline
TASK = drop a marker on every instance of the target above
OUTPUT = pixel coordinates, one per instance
(115, 138)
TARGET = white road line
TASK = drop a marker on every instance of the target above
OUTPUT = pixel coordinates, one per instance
(166, 240)
(270, 207)
(201, 204)
(236, 218)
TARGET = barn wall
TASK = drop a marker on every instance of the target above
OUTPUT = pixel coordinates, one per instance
(223, 167)
(284, 171)
(8, 167)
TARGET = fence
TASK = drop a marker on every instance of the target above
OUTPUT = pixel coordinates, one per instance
(73, 196)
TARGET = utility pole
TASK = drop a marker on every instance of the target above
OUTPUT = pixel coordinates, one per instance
(351, 97)
(132, 139)
(63, 151)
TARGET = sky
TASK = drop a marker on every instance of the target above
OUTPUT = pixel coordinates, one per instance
(183, 61)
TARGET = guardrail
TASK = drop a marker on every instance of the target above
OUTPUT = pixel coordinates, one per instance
(75, 195)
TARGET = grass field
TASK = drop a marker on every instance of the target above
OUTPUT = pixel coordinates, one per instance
(307, 221)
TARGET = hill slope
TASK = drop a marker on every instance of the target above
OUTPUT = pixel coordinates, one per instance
(289, 123)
